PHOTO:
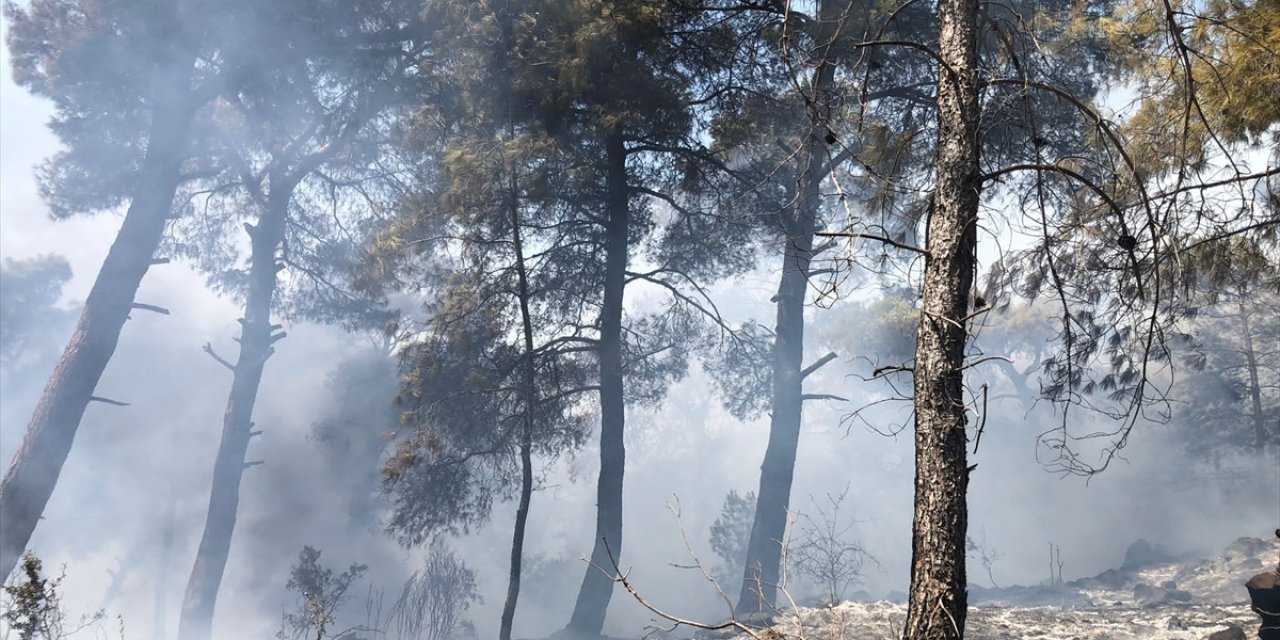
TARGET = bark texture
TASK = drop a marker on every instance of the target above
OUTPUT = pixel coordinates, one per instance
(938, 598)
(30, 479)
(597, 585)
(256, 338)
(768, 529)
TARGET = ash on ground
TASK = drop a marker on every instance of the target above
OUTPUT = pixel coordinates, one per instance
(1152, 596)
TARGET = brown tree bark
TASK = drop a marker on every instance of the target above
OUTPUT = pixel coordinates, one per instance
(592, 604)
(758, 592)
(256, 338)
(938, 598)
(34, 471)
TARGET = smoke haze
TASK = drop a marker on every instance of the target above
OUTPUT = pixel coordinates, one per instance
(139, 474)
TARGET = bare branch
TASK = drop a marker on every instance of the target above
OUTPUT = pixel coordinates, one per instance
(109, 401)
(822, 396)
(208, 348)
(889, 241)
(621, 578)
(817, 365)
(151, 307)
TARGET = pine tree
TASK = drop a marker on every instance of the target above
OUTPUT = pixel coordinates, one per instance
(571, 158)
(124, 82)
(295, 137)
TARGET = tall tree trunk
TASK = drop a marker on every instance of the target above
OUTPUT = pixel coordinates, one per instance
(237, 427)
(34, 471)
(938, 597)
(764, 547)
(768, 529)
(597, 585)
(1255, 388)
(526, 428)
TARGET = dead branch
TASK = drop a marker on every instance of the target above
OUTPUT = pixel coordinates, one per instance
(109, 401)
(697, 562)
(823, 396)
(867, 236)
(208, 348)
(817, 365)
(676, 622)
(151, 307)
(897, 368)
(983, 424)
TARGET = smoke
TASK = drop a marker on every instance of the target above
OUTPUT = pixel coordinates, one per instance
(132, 463)
(140, 473)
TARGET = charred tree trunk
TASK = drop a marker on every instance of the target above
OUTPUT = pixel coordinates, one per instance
(256, 338)
(526, 427)
(938, 598)
(597, 585)
(34, 471)
(768, 529)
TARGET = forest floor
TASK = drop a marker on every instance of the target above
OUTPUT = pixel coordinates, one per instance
(1153, 597)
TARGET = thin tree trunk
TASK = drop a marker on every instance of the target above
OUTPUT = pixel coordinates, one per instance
(597, 585)
(526, 431)
(765, 546)
(938, 598)
(237, 427)
(34, 471)
(1255, 389)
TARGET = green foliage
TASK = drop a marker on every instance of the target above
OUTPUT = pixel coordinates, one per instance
(29, 293)
(885, 334)
(33, 607)
(98, 62)
(309, 123)
(320, 595)
(1228, 392)
(524, 102)
(1211, 82)
(1241, 87)
(34, 611)
(462, 403)
(742, 369)
(730, 534)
